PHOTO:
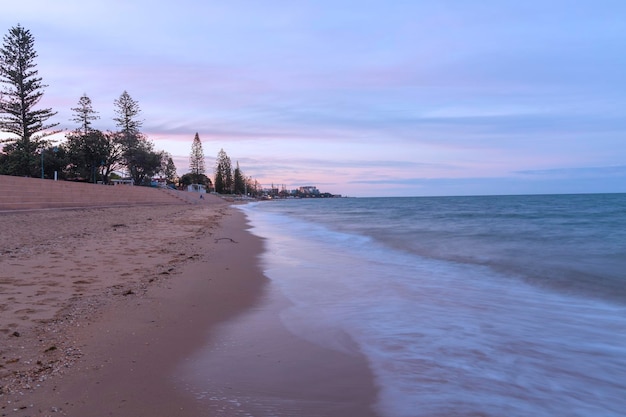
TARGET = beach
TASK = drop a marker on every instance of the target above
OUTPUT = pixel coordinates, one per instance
(114, 311)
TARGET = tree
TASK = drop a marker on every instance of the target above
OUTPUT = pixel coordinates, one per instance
(113, 156)
(127, 111)
(84, 114)
(223, 174)
(189, 179)
(92, 153)
(22, 92)
(253, 187)
(196, 159)
(142, 161)
(168, 169)
(56, 161)
(128, 135)
(219, 182)
(138, 154)
(148, 164)
(239, 182)
(185, 180)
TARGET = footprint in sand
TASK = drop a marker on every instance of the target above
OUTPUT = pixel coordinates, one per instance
(26, 311)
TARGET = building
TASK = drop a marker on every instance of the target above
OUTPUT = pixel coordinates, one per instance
(309, 190)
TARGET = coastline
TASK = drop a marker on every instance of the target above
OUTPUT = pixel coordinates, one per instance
(119, 347)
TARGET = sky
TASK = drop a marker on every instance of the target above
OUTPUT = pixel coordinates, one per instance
(359, 98)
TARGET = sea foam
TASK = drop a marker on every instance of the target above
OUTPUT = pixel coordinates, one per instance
(442, 336)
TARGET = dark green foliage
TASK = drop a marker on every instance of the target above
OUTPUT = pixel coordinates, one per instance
(239, 182)
(84, 114)
(138, 155)
(141, 160)
(127, 111)
(128, 136)
(92, 154)
(189, 179)
(219, 182)
(196, 159)
(223, 174)
(168, 169)
(21, 93)
(56, 160)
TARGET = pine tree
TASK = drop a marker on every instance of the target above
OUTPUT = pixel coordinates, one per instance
(138, 153)
(22, 92)
(219, 181)
(127, 111)
(223, 174)
(84, 114)
(92, 153)
(128, 135)
(169, 169)
(196, 160)
(239, 182)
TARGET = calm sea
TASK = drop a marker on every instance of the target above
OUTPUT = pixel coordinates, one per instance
(481, 306)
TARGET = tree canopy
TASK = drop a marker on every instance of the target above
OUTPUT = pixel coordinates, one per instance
(138, 154)
(84, 114)
(196, 159)
(168, 168)
(239, 181)
(22, 90)
(127, 111)
(188, 179)
(87, 154)
(223, 174)
(91, 153)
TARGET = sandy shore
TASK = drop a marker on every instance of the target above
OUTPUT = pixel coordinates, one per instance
(121, 312)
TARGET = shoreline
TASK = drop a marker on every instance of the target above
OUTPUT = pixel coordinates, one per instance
(128, 350)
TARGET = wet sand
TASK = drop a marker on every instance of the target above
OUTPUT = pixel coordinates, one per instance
(155, 312)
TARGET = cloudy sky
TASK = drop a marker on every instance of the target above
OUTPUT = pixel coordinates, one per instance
(362, 98)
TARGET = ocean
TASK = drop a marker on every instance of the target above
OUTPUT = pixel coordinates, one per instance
(463, 306)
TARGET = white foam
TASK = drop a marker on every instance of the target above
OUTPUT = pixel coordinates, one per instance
(444, 338)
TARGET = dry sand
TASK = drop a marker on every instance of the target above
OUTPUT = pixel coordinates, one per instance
(101, 310)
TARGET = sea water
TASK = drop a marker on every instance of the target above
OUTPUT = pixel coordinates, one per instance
(463, 306)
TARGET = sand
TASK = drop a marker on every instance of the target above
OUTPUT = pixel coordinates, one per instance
(126, 312)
